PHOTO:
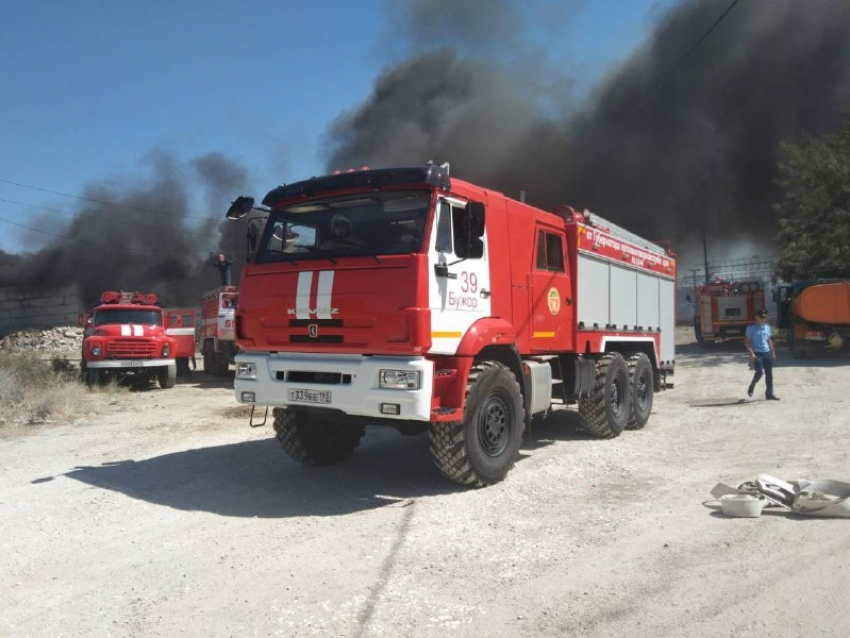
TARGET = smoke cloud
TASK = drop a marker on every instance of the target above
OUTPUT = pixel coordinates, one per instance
(678, 139)
(139, 235)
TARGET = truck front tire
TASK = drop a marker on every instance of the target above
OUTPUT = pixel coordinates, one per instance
(310, 440)
(604, 413)
(167, 376)
(482, 448)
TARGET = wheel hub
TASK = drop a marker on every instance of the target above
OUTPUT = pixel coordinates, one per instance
(494, 426)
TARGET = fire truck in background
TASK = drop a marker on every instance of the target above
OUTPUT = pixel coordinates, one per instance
(407, 298)
(180, 323)
(125, 333)
(724, 309)
(215, 330)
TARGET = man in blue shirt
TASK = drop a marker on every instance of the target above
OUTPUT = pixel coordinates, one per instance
(762, 355)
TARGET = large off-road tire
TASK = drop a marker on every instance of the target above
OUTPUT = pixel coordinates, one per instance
(482, 448)
(167, 376)
(209, 358)
(698, 332)
(220, 364)
(312, 440)
(605, 411)
(641, 379)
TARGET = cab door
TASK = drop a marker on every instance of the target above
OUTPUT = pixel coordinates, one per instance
(551, 293)
(459, 284)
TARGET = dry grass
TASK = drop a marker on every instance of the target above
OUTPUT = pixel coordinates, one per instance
(34, 391)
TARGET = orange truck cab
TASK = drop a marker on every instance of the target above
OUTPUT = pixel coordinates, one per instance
(447, 308)
(125, 333)
(816, 314)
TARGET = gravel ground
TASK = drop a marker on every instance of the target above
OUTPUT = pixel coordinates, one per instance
(168, 515)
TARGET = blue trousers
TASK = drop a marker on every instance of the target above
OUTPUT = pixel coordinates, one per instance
(763, 364)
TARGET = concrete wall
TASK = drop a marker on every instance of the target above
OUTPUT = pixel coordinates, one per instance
(27, 308)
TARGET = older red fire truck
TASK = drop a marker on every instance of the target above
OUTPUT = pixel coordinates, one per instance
(125, 333)
(448, 308)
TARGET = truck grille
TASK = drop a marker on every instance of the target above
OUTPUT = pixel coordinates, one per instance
(121, 348)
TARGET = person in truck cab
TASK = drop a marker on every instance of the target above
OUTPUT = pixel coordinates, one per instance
(342, 235)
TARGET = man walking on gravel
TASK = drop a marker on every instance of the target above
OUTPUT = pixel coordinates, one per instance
(762, 354)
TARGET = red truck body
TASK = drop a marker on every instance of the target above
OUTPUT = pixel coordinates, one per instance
(125, 333)
(724, 309)
(181, 325)
(456, 311)
(216, 329)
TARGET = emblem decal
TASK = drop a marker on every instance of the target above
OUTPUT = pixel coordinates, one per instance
(314, 330)
(554, 300)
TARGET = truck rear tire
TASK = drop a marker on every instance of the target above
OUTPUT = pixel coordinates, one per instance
(310, 440)
(482, 448)
(642, 386)
(209, 361)
(167, 376)
(220, 364)
(604, 413)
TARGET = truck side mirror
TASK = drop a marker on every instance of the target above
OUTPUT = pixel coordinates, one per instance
(240, 207)
(474, 217)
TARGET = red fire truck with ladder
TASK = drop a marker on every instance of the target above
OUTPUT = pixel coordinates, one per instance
(125, 333)
(215, 332)
(408, 298)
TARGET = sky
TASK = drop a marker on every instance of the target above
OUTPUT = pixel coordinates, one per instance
(127, 128)
(98, 91)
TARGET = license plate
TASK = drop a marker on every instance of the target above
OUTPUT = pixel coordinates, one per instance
(310, 396)
(132, 364)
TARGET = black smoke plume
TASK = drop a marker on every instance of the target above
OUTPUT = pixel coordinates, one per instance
(155, 234)
(680, 139)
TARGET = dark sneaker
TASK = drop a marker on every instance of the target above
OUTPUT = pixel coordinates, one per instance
(750, 391)
(773, 398)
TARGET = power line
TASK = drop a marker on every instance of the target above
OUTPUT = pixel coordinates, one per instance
(112, 246)
(100, 201)
(96, 218)
(711, 28)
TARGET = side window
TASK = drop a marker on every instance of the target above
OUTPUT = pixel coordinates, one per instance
(444, 228)
(461, 240)
(541, 250)
(550, 252)
(554, 252)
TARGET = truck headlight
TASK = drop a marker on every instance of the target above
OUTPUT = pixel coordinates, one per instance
(400, 379)
(166, 350)
(95, 350)
(246, 370)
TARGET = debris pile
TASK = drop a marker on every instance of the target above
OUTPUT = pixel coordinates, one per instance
(59, 340)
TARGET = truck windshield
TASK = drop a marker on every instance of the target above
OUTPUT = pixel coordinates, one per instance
(106, 316)
(377, 223)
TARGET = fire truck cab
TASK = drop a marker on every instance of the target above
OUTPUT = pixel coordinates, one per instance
(447, 308)
(125, 333)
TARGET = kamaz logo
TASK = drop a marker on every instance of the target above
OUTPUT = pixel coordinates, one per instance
(314, 330)
(311, 311)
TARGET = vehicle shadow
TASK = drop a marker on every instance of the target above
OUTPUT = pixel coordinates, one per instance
(256, 479)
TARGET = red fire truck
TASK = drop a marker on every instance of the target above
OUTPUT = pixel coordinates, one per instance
(215, 331)
(408, 298)
(724, 309)
(125, 333)
(180, 323)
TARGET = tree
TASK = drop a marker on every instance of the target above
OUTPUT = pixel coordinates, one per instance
(814, 214)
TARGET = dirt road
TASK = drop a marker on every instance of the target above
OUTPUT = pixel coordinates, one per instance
(169, 516)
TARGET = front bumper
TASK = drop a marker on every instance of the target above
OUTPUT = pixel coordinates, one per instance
(355, 392)
(122, 364)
